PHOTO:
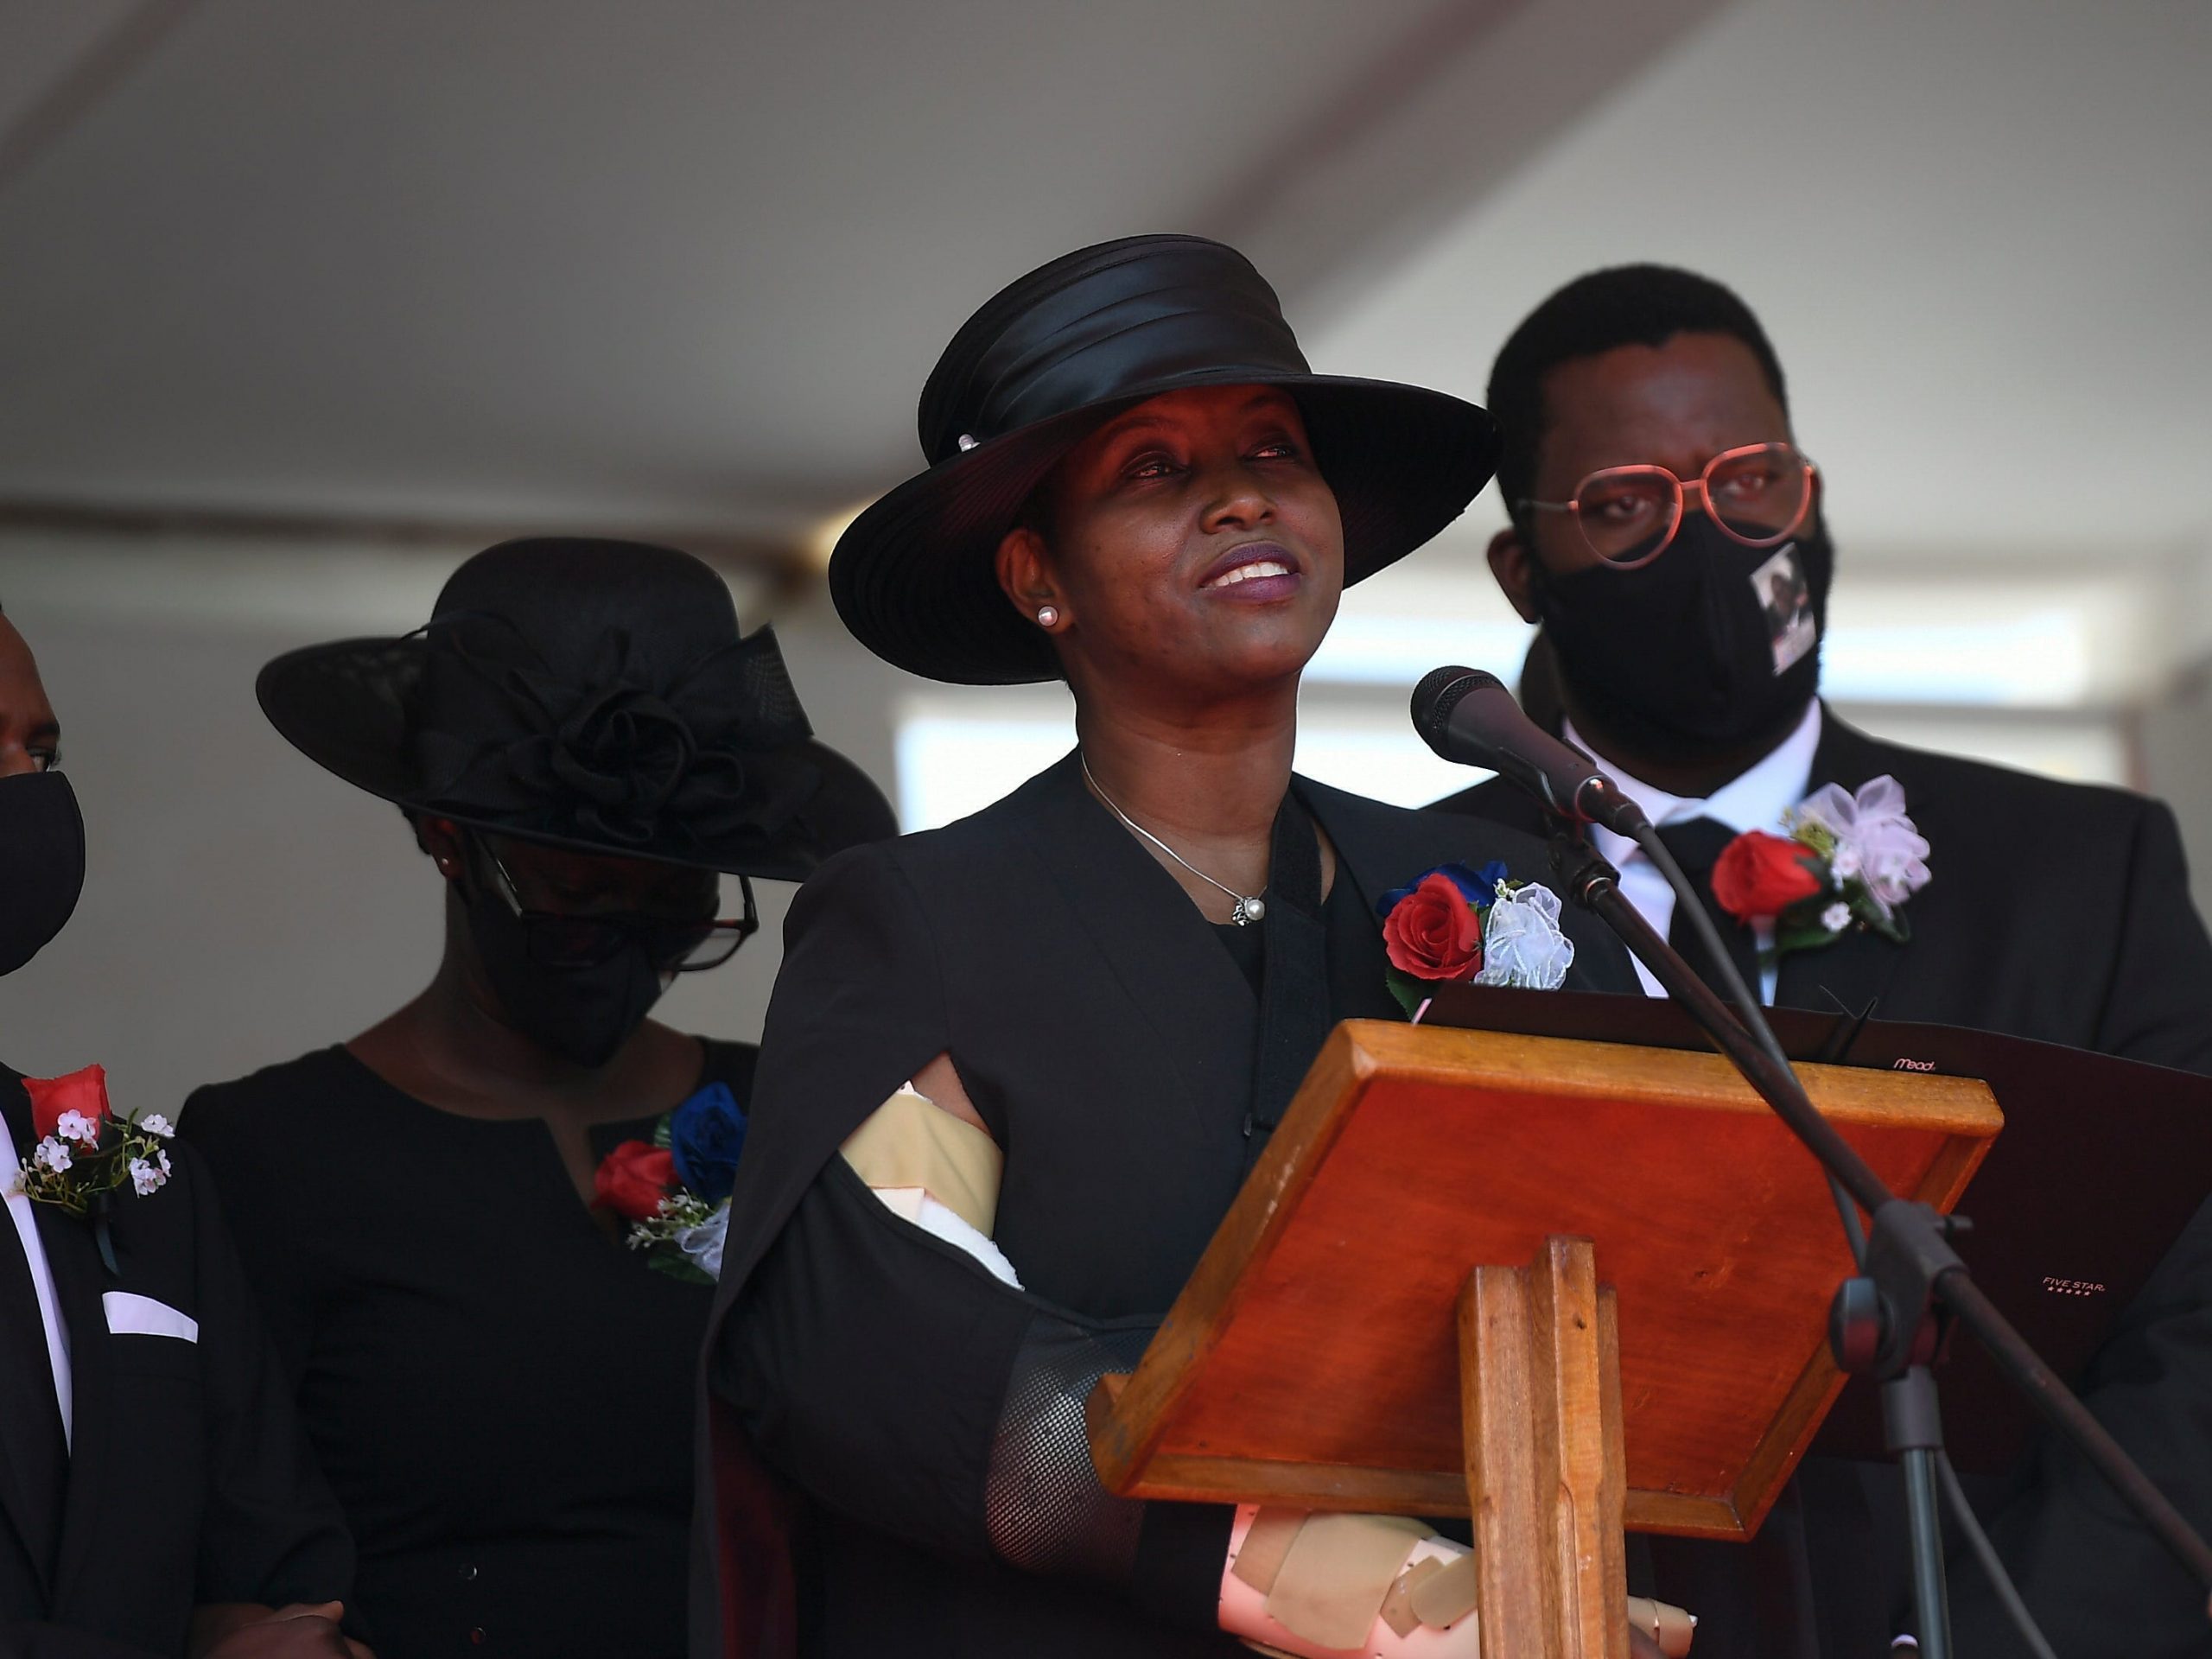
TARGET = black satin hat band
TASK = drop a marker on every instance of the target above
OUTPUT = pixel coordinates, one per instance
(1172, 306)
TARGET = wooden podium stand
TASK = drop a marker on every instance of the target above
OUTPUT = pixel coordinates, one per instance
(1559, 1286)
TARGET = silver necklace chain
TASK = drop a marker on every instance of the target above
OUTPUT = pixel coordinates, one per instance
(1250, 909)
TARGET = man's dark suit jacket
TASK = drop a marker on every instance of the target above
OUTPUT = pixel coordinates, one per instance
(189, 1480)
(2061, 912)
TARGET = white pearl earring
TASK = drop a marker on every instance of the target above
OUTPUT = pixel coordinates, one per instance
(1047, 615)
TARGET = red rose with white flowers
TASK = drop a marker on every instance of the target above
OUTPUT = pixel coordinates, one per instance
(1433, 932)
(1759, 877)
(631, 1179)
(84, 1093)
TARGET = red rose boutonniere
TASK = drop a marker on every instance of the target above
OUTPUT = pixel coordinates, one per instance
(1762, 875)
(1848, 863)
(81, 1097)
(633, 1178)
(85, 1154)
(1458, 926)
(1436, 931)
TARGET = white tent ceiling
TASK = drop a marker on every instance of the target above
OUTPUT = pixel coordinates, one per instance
(1980, 233)
(683, 262)
(675, 260)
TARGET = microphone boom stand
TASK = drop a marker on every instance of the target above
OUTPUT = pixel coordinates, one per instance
(1887, 1322)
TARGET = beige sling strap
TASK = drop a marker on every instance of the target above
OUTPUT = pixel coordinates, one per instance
(908, 1142)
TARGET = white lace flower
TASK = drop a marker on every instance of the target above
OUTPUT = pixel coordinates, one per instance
(53, 1155)
(154, 1123)
(702, 1244)
(75, 1125)
(1836, 918)
(145, 1178)
(1523, 945)
(163, 1158)
(1870, 826)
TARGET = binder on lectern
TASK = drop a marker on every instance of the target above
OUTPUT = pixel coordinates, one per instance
(2102, 1173)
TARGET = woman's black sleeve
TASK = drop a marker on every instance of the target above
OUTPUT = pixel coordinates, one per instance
(895, 1380)
(885, 1372)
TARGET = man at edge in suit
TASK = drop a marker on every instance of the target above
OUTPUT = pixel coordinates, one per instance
(157, 1496)
(1658, 505)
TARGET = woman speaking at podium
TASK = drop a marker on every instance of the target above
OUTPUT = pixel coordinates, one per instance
(1016, 1069)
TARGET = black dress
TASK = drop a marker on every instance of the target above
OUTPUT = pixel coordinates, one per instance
(930, 1416)
(501, 1394)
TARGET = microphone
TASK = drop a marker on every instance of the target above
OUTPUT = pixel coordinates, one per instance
(1470, 718)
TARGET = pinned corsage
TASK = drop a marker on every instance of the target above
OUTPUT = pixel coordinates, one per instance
(86, 1154)
(1849, 861)
(674, 1191)
(1460, 926)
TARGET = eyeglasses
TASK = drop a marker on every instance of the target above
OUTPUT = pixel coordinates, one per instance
(1757, 495)
(554, 940)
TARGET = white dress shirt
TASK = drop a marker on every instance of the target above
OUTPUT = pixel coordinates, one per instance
(1752, 800)
(49, 1305)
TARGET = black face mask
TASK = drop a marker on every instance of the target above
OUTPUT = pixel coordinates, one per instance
(1712, 646)
(583, 1015)
(41, 862)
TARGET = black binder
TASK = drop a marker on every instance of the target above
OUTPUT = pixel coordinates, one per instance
(2098, 1181)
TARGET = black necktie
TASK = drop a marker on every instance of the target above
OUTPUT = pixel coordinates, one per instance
(37, 1457)
(1696, 846)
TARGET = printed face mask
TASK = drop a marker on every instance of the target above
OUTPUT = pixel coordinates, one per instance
(582, 1013)
(1710, 646)
(41, 862)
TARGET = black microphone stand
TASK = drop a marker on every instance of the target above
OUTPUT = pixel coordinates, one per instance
(1889, 1321)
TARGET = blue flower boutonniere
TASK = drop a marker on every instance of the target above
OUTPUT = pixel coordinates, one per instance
(1456, 926)
(674, 1190)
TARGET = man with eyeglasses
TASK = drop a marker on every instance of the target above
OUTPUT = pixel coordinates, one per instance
(1664, 528)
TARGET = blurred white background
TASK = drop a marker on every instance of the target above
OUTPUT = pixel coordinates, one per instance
(302, 300)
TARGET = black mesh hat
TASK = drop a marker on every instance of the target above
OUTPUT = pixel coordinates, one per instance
(593, 694)
(1059, 353)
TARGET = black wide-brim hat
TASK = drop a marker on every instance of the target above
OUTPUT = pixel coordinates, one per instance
(1062, 351)
(591, 695)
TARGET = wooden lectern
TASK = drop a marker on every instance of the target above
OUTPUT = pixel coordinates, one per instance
(1561, 1286)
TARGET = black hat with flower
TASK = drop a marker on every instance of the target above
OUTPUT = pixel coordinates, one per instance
(588, 693)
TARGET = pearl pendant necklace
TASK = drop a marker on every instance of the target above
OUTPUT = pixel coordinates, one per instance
(1250, 907)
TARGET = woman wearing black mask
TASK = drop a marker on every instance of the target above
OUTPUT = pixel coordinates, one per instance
(499, 1389)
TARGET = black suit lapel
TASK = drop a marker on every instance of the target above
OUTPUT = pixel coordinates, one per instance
(1202, 1013)
(20, 1527)
(1854, 973)
(1850, 977)
(23, 1528)
(27, 1331)
(79, 1282)
(1379, 847)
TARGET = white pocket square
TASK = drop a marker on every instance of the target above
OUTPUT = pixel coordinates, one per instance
(131, 1315)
